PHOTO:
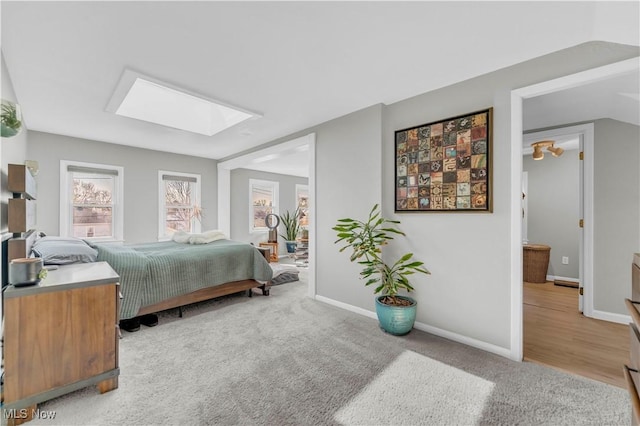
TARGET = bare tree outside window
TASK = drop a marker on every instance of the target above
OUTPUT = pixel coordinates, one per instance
(93, 207)
(180, 206)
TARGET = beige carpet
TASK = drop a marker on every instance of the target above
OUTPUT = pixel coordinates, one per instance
(288, 360)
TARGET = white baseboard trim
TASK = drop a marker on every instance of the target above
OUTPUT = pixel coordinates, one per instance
(498, 350)
(610, 316)
(347, 307)
(555, 277)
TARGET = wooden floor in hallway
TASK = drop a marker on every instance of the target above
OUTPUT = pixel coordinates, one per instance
(557, 335)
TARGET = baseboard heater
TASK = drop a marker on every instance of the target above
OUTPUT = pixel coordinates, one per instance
(564, 283)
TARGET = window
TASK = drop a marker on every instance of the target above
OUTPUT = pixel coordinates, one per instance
(91, 201)
(302, 196)
(180, 208)
(263, 199)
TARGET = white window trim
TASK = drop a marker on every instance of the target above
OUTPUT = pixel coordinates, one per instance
(162, 206)
(276, 198)
(118, 200)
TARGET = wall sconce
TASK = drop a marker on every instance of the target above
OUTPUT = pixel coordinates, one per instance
(537, 149)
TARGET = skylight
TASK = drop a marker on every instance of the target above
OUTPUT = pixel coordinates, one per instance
(154, 102)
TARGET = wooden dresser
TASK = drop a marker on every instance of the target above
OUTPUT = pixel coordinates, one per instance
(60, 335)
(632, 371)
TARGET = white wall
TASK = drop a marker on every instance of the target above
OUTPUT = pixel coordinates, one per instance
(554, 209)
(140, 181)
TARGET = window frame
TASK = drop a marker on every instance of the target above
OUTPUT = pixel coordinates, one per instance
(66, 190)
(196, 226)
(275, 186)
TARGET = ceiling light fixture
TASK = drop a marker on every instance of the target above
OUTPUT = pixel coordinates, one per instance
(147, 99)
(537, 149)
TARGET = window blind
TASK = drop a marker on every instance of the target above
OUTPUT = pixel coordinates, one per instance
(180, 178)
(80, 169)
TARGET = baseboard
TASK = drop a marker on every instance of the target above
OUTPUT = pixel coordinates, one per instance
(557, 277)
(611, 317)
(469, 341)
(347, 307)
(498, 350)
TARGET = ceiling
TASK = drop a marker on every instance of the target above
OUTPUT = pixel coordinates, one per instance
(297, 64)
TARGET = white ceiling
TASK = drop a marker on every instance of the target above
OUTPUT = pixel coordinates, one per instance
(296, 63)
(617, 98)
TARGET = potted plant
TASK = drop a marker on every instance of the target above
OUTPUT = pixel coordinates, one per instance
(10, 123)
(291, 227)
(396, 313)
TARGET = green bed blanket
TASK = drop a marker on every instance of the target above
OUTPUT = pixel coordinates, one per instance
(153, 272)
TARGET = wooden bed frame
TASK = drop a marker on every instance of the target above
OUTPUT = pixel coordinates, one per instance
(209, 293)
(205, 294)
(21, 247)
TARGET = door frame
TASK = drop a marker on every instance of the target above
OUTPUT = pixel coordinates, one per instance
(245, 161)
(517, 97)
(585, 133)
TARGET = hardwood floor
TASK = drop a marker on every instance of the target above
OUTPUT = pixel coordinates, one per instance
(557, 335)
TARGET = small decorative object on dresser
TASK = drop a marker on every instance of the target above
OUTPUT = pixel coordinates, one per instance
(25, 271)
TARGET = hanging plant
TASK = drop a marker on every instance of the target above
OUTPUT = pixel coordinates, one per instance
(10, 119)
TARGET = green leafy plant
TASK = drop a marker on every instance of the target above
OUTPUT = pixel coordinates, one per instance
(9, 119)
(366, 239)
(290, 224)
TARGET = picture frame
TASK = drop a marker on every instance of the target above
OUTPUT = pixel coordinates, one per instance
(445, 166)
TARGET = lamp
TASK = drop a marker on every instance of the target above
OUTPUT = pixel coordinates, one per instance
(555, 151)
(537, 153)
(537, 149)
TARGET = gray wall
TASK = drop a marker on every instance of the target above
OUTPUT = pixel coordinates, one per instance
(554, 209)
(469, 255)
(348, 175)
(140, 181)
(616, 212)
(240, 203)
(12, 151)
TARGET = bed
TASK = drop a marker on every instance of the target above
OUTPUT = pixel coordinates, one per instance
(164, 275)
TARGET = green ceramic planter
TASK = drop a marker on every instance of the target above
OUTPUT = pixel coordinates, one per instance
(397, 320)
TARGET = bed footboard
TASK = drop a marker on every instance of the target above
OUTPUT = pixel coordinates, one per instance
(205, 294)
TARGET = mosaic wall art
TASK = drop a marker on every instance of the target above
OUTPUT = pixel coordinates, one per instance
(445, 166)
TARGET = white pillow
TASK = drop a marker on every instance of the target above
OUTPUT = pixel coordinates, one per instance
(181, 237)
(207, 237)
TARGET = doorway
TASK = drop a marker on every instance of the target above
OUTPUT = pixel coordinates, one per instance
(553, 203)
(306, 143)
(516, 109)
